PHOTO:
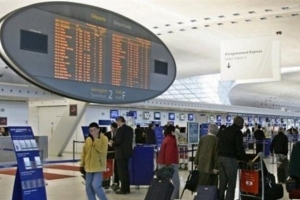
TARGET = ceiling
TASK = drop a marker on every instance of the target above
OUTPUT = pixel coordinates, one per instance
(193, 31)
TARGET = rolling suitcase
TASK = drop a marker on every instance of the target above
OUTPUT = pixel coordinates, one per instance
(108, 174)
(207, 193)
(282, 170)
(160, 190)
(274, 192)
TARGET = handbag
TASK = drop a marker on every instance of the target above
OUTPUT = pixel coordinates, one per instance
(165, 172)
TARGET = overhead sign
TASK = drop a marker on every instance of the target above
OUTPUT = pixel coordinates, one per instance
(252, 59)
(86, 53)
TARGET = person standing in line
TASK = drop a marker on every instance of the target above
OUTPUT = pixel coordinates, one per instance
(206, 158)
(230, 149)
(280, 145)
(222, 128)
(150, 134)
(93, 162)
(138, 135)
(123, 151)
(111, 135)
(168, 155)
(259, 137)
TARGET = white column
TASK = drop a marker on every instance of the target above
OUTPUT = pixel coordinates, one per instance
(66, 128)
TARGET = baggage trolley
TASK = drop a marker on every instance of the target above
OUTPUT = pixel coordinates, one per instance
(252, 179)
(108, 174)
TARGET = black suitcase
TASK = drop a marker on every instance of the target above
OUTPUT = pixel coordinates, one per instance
(207, 193)
(274, 192)
(160, 190)
(282, 170)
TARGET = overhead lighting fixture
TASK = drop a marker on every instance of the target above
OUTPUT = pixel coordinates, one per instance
(234, 22)
(194, 27)
(221, 16)
(263, 18)
(285, 8)
(236, 14)
(180, 23)
(295, 14)
(207, 18)
(268, 10)
(155, 27)
(248, 20)
(158, 34)
(279, 16)
(193, 20)
(251, 12)
(182, 29)
(220, 24)
(206, 26)
(167, 25)
(170, 31)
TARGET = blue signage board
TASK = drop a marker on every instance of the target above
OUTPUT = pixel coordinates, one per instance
(277, 121)
(85, 131)
(157, 116)
(219, 118)
(132, 114)
(114, 114)
(193, 132)
(29, 179)
(228, 118)
(159, 136)
(172, 116)
(104, 122)
(190, 117)
(250, 119)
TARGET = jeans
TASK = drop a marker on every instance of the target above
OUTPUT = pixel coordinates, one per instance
(175, 180)
(93, 186)
(228, 168)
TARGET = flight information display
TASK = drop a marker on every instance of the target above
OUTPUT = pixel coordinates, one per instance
(86, 53)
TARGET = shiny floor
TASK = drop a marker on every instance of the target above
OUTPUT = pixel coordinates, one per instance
(73, 188)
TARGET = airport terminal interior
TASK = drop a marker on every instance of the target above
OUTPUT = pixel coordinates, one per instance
(182, 70)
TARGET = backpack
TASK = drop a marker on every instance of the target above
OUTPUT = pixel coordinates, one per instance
(191, 182)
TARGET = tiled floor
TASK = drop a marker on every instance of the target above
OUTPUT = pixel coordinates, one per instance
(73, 188)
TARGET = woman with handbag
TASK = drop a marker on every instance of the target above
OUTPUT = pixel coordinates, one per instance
(168, 155)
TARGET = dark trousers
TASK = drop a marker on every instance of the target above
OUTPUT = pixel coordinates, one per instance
(123, 172)
(228, 168)
(259, 148)
(116, 174)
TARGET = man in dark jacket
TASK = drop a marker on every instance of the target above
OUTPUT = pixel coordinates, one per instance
(150, 134)
(138, 135)
(280, 144)
(259, 136)
(123, 145)
(230, 149)
(294, 170)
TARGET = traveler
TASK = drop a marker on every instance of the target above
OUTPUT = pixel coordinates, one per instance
(93, 161)
(168, 155)
(123, 151)
(247, 133)
(259, 137)
(111, 135)
(279, 145)
(150, 134)
(294, 169)
(222, 128)
(139, 135)
(230, 149)
(206, 158)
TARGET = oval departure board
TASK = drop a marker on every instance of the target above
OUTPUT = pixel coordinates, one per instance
(86, 53)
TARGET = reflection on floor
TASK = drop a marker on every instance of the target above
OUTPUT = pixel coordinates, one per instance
(71, 186)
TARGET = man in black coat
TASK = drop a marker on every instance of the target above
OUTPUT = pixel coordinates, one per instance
(150, 134)
(259, 137)
(123, 151)
(111, 135)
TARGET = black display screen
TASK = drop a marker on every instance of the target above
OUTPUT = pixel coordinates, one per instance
(161, 67)
(32, 41)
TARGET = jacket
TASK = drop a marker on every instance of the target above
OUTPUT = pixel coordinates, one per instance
(93, 157)
(231, 143)
(294, 170)
(169, 151)
(124, 142)
(151, 137)
(259, 135)
(110, 137)
(139, 136)
(280, 144)
(206, 158)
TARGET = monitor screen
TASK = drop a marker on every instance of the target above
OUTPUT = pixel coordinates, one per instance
(33, 41)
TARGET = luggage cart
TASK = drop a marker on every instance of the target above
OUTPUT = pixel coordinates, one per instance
(252, 179)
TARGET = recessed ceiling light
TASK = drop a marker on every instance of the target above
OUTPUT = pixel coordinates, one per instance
(295, 14)
(279, 16)
(207, 18)
(193, 20)
(180, 22)
(236, 14)
(220, 24)
(285, 8)
(194, 27)
(158, 34)
(155, 27)
(263, 18)
(248, 20)
(233, 22)
(206, 26)
(268, 10)
(182, 29)
(170, 31)
(251, 12)
(167, 25)
(221, 16)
